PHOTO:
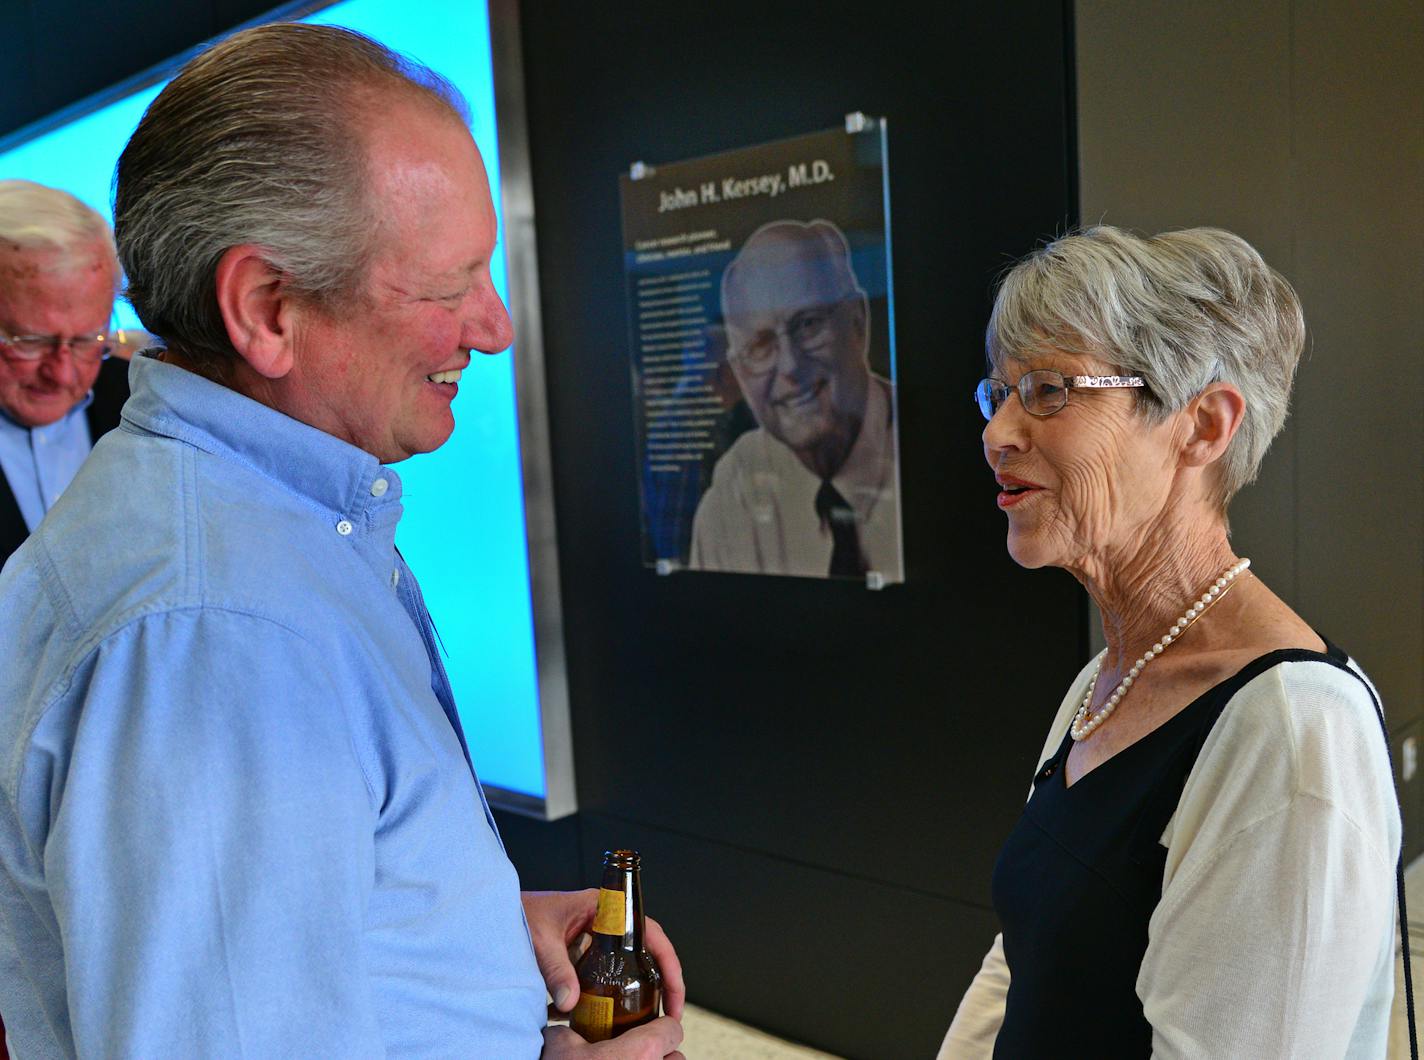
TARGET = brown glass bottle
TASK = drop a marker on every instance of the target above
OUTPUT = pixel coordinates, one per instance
(619, 984)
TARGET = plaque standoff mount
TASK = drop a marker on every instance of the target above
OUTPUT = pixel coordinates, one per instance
(855, 122)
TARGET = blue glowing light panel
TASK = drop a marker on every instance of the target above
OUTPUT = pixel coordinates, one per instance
(463, 532)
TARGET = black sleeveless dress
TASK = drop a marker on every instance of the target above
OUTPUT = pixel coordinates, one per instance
(1079, 876)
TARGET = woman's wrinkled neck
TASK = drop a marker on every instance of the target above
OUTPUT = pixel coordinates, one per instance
(1142, 586)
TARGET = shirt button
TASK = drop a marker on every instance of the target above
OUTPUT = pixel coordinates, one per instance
(379, 487)
(395, 578)
(343, 528)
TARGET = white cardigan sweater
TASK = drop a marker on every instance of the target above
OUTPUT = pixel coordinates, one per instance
(1274, 936)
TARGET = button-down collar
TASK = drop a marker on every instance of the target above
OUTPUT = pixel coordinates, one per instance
(333, 474)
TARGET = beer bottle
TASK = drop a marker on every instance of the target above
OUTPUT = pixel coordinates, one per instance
(619, 985)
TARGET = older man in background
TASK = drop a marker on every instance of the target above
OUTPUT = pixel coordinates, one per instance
(58, 275)
(237, 813)
(812, 490)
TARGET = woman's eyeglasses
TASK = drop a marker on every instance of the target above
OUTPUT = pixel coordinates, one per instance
(1044, 391)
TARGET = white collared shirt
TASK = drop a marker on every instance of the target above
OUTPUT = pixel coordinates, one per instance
(759, 515)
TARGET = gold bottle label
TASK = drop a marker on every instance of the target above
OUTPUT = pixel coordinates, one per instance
(593, 1016)
(609, 918)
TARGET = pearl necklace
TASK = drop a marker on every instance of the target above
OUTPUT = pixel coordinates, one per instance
(1083, 725)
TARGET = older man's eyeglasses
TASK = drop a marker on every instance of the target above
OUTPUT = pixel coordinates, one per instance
(1044, 391)
(88, 348)
(806, 332)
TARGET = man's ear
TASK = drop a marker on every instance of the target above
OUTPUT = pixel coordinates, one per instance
(1213, 417)
(256, 308)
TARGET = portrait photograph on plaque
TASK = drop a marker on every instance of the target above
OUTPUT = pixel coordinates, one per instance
(761, 320)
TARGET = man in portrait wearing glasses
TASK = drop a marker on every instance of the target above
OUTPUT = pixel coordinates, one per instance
(810, 491)
(58, 276)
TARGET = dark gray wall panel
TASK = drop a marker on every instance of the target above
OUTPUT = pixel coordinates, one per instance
(859, 968)
(1301, 126)
(879, 742)
(1358, 128)
(1184, 119)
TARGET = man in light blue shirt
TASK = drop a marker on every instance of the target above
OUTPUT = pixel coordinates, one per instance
(58, 275)
(237, 813)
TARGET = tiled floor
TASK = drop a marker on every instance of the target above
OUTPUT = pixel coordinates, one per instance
(708, 1036)
(713, 1037)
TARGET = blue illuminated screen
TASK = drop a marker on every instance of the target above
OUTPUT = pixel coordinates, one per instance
(463, 531)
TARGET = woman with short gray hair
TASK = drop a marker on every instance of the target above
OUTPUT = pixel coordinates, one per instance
(1205, 866)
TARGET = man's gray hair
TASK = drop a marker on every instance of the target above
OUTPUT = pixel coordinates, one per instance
(1182, 309)
(824, 237)
(258, 140)
(36, 217)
